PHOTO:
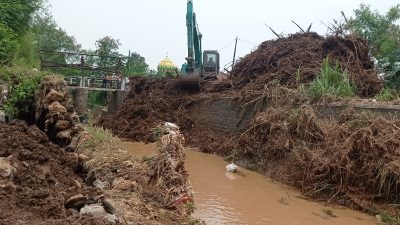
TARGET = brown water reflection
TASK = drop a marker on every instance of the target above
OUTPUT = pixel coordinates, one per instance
(250, 198)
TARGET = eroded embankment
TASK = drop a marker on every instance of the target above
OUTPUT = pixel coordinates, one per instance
(261, 115)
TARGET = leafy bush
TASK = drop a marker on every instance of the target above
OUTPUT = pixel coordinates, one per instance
(23, 85)
(331, 83)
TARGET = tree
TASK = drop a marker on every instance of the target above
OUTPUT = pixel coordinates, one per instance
(135, 65)
(48, 36)
(15, 19)
(107, 49)
(382, 33)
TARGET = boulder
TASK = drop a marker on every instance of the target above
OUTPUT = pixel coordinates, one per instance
(56, 107)
(2, 116)
(6, 169)
(64, 135)
(53, 96)
(76, 201)
(63, 124)
(75, 118)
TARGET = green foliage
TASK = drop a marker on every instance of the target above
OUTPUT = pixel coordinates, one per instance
(97, 98)
(107, 47)
(390, 220)
(382, 31)
(387, 94)
(136, 65)
(23, 85)
(51, 38)
(15, 18)
(8, 45)
(26, 54)
(331, 83)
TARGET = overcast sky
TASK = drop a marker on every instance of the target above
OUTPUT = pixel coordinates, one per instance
(154, 27)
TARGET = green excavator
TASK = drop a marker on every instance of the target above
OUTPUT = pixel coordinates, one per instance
(199, 65)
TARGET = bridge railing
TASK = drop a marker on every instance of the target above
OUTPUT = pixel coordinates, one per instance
(89, 82)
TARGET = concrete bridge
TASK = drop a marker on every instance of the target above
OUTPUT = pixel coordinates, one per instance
(80, 87)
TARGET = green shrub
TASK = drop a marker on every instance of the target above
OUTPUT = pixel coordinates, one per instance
(23, 85)
(97, 98)
(331, 83)
(387, 94)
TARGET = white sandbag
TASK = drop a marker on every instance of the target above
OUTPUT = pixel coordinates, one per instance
(231, 168)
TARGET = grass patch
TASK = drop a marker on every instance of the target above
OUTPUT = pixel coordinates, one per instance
(102, 147)
(331, 83)
(390, 220)
(387, 94)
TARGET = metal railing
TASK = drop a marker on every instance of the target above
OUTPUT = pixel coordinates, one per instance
(89, 82)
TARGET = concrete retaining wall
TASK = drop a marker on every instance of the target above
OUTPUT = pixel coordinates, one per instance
(229, 115)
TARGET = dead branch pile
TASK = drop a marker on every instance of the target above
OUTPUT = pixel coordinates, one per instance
(168, 172)
(302, 55)
(353, 162)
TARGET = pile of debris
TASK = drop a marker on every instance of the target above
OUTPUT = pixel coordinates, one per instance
(39, 183)
(352, 161)
(167, 168)
(55, 113)
(150, 102)
(297, 59)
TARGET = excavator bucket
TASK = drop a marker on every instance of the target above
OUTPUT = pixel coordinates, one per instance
(190, 81)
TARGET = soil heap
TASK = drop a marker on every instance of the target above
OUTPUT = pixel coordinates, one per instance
(37, 178)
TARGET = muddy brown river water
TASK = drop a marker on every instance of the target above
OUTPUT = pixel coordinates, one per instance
(249, 198)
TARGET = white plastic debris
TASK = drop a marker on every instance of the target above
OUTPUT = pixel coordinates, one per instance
(95, 210)
(171, 126)
(231, 168)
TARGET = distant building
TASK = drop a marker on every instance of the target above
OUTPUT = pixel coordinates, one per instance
(166, 68)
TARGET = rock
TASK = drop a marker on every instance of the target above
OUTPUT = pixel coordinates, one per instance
(64, 135)
(76, 201)
(75, 118)
(82, 158)
(79, 128)
(63, 124)
(2, 116)
(6, 169)
(53, 96)
(95, 210)
(112, 218)
(73, 145)
(72, 159)
(56, 107)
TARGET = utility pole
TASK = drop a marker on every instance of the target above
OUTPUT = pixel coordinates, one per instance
(234, 53)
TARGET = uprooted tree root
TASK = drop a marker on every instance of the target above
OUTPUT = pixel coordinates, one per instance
(353, 162)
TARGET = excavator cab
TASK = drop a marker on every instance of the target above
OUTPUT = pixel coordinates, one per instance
(210, 63)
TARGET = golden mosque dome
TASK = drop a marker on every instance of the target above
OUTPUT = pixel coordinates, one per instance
(166, 66)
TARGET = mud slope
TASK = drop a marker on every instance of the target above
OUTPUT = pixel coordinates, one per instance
(36, 179)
